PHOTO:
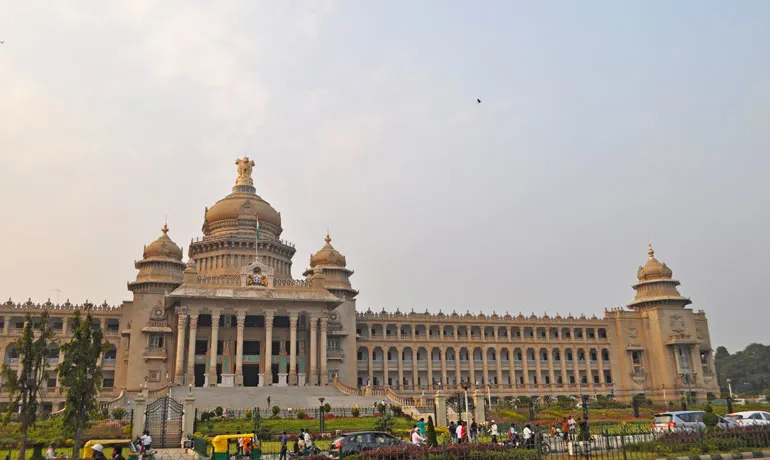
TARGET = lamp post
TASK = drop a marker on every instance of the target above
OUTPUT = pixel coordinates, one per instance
(466, 384)
(321, 412)
(687, 377)
(730, 387)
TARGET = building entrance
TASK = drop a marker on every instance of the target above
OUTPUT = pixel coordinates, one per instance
(250, 375)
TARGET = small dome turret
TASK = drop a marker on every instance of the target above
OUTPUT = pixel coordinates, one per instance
(653, 269)
(163, 247)
(656, 287)
(328, 256)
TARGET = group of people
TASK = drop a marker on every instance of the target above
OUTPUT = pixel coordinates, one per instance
(303, 443)
(418, 433)
(462, 432)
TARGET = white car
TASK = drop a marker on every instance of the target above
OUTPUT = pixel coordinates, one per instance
(749, 418)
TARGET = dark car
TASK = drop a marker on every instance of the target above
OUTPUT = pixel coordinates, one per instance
(355, 443)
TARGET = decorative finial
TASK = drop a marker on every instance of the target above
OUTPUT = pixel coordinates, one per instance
(164, 229)
(328, 238)
(650, 251)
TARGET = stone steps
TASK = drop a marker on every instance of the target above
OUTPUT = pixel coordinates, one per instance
(283, 397)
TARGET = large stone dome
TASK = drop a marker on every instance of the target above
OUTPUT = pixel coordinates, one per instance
(243, 206)
(163, 248)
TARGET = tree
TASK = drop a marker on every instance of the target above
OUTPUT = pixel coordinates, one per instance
(81, 376)
(431, 433)
(710, 419)
(384, 422)
(24, 386)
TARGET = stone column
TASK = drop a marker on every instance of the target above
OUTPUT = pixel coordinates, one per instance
(400, 352)
(215, 314)
(484, 366)
(180, 334)
(267, 368)
(564, 376)
(499, 366)
(415, 370)
(314, 350)
(385, 366)
(293, 316)
(601, 368)
(191, 349)
(458, 374)
(444, 380)
(241, 318)
(511, 367)
(551, 372)
(525, 368)
(471, 367)
(430, 368)
(538, 369)
(370, 353)
(63, 326)
(323, 344)
(576, 367)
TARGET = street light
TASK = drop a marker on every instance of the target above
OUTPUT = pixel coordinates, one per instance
(730, 387)
(321, 411)
(466, 384)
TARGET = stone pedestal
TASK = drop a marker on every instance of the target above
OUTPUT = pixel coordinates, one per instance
(282, 379)
(239, 380)
(440, 403)
(140, 414)
(480, 411)
(263, 381)
(188, 418)
(228, 380)
(301, 379)
(292, 379)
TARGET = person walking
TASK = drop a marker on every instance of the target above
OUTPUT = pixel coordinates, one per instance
(527, 435)
(452, 432)
(421, 427)
(460, 432)
(565, 429)
(493, 432)
(268, 402)
(284, 446)
(474, 431)
(416, 437)
(572, 428)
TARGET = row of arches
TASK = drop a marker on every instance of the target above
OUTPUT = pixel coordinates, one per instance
(491, 354)
(458, 332)
(11, 354)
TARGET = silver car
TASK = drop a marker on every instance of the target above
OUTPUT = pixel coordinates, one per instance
(685, 421)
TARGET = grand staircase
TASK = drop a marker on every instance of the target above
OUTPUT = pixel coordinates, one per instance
(283, 397)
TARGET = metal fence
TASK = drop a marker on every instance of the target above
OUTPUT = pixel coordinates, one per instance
(622, 445)
(290, 413)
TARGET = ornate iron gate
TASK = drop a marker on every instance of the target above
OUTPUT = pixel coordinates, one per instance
(164, 422)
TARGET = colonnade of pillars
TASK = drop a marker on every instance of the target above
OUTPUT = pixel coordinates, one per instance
(317, 374)
(525, 368)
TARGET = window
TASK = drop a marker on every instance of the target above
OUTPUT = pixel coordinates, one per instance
(201, 347)
(251, 347)
(276, 348)
(156, 341)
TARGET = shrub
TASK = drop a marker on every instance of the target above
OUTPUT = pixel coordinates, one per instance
(118, 413)
(126, 431)
(355, 412)
(300, 414)
(397, 410)
(276, 410)
(384, 422)
(247, 414)
(327, 408)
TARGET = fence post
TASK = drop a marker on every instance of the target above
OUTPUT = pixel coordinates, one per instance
(443, 450)
(131, 423)
(623, 444)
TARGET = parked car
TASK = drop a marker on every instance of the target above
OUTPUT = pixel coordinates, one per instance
(355, 443)
(749, 418)
(692, 420)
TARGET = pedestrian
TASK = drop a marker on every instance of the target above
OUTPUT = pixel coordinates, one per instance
(268, 402)
(452, 432)
(512, 433)
(98, 452)
(572, 427)
(493, 432)
(117, 453)
(565, 429)
(284, 441)
(308, 440)
(553, 431)
(527, 435)
(50, 454)
(146, 441)
(416, 437)
(474, 431)
(240, 446)
(459, 430)
(421, 427)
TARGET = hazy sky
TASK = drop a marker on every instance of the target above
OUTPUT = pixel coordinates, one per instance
(603, 125)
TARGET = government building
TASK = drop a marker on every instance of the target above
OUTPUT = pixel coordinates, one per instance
(232, 315)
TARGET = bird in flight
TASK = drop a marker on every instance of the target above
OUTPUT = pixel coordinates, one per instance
(478, 101)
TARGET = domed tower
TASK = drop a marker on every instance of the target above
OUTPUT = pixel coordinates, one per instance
(656, 287)
(160, 272)
(330, 266)
(235, 225)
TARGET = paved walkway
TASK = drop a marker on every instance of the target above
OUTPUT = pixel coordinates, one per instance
(283, 397)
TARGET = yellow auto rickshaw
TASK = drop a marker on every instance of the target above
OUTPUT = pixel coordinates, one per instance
(221, 449)
(87, 451)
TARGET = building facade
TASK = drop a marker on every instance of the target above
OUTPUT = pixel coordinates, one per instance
(232, 315)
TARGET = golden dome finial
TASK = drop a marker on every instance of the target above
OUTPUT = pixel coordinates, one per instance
(164, 229)
(328, 238)
(650, 251)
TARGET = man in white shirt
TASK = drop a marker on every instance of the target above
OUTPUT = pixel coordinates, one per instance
(416, 436)
(308, 440)
(527, 435)
(146, 441)
(493, 432)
